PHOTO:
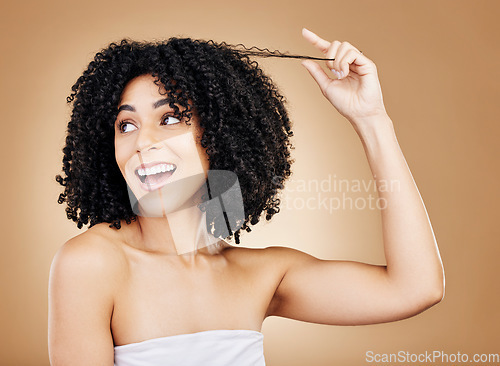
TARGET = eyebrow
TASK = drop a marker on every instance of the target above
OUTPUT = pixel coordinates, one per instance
(157, 104)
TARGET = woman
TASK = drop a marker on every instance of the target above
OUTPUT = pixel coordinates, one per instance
(160, 285)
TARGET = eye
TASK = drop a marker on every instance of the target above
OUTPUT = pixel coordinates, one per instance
(122, 126)
(170, 120)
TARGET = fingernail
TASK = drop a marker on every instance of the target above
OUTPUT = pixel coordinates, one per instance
(336, 73)
(341, 74)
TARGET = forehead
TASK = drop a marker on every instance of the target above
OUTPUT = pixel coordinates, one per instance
(141, 88)
(142, 94)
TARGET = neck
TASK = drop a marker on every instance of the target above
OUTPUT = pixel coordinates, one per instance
(182, 233)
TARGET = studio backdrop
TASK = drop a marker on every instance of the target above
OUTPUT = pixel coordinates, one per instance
(438, 67)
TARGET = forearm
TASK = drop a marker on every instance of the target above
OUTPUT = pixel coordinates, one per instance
(413, 261)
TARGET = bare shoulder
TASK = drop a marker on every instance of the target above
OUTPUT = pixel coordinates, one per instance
(288, 255)
(275, 254)
(268, 267)
(84, 276)
(96, 249)
(277, 258)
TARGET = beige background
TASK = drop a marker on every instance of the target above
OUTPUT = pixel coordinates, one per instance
(438, 63)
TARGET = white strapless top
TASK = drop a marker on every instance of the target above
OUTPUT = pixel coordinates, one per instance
(224, 347)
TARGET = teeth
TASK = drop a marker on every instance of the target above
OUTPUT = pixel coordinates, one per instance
(160, 168)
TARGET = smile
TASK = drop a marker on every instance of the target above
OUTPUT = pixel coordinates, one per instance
(154, 175)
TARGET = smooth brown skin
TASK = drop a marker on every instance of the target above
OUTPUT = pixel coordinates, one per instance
(113, 287)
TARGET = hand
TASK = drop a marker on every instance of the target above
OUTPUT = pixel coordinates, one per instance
(355, 93)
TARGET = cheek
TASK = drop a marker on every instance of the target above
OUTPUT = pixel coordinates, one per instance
(192, 157)
(121, 156)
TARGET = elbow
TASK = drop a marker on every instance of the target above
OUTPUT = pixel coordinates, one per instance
(440, 288)
(424, 297)
(421, 296)
(435, 290)
(422, 300)
(435, 294)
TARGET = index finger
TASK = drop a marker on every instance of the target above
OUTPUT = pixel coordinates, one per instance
(317, 41)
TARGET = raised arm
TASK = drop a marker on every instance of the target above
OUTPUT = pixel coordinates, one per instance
(81, 284)
(351, 293)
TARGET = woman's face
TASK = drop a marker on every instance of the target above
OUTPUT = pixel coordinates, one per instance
(158, 155)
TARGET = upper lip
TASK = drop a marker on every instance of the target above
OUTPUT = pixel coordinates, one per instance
(152, 164)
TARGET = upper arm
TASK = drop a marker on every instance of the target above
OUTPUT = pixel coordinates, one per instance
(341, 292)
(81, 282)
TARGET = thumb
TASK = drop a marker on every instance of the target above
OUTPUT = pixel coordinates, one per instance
(318, 74)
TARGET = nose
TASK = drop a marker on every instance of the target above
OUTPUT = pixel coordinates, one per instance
(146, 138)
